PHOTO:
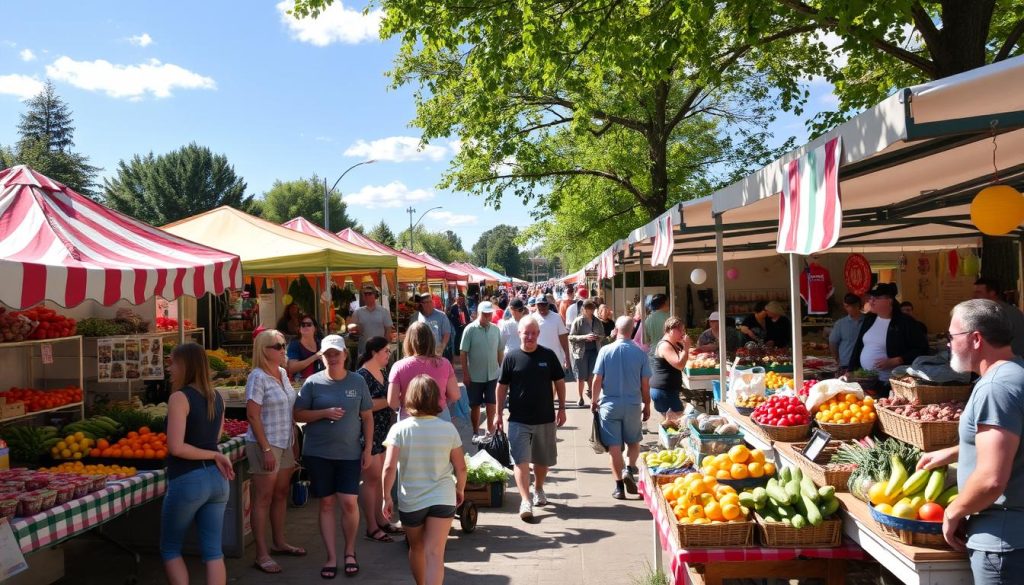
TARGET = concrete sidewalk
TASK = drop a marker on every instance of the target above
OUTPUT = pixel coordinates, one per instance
(582, 536)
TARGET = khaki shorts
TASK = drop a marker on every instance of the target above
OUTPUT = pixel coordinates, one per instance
(285, 458)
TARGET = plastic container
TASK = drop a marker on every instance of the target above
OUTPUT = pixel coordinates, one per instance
(8, 506)
(14, 485)
(38, 481)
(65, 491)
(82, 485)
(701, 445)
(49, 498)
(97, 482)
(30, 503)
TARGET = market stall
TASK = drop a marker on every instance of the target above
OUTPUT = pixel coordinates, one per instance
(60, 247)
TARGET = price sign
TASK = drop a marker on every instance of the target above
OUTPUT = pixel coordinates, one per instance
(12, 561)
(819, 440)
(46, 350)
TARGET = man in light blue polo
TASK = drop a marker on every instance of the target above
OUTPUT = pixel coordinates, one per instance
(481, 353)
(622, 399)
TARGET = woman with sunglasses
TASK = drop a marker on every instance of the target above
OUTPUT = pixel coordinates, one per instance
(269, 445)
(304, 350)
(372, 363)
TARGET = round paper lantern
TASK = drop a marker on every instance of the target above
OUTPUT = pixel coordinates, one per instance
(971, 265)
(732, 274)
(287, 299)
(698, 276)
(997, 210)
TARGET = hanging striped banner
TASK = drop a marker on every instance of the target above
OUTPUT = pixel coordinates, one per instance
(664, 242)
(810, 213)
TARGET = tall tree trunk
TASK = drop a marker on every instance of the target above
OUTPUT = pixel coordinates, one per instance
(657, 145)
(964, 34)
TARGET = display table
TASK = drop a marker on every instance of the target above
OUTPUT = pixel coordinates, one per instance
(912, 565)
(712, 566)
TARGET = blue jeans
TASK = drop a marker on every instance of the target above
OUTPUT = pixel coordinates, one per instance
(665, 400)
(991, 568)
(202, 495)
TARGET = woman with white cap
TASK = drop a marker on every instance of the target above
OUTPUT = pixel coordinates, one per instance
(708, 340)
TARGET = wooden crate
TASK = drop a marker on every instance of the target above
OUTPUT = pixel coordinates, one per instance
(490, 495)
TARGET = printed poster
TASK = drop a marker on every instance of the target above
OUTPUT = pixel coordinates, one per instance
(121, 359)
(151, 359)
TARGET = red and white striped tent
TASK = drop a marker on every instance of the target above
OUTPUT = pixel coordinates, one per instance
(63, 247)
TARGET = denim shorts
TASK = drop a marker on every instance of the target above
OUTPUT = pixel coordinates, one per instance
(666, 400)
(333, 476)
(419, 517)
(997, 568)
(200, 495)
(621, 424)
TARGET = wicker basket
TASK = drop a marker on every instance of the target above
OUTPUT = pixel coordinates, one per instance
(782, 535)
(912, 532)
(926, 436)
(915, 390)
(725, 535)
(816, 470)
(847, 431)
(786, 434)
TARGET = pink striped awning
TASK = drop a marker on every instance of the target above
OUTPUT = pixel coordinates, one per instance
(460, 275)
(433, 272)
(60, 246)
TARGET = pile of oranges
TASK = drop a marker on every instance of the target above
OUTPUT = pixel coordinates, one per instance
(738, 463)
(79, 468)
(141, 444)
(846, 408)
(696, 498)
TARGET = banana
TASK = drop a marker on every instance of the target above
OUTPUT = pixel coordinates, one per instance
(896, 478)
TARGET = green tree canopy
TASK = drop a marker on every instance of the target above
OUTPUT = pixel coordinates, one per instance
(46, 135)
(498, 250)
(383, 234)
(440, 245)
(305, 198)
(179, 184)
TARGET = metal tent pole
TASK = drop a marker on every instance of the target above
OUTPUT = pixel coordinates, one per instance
(622, 264)
(643, 310)
(723, 353)
(795, 321)
(672, 287)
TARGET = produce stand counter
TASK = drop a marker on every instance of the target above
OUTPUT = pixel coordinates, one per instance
(36, 534)
(712, 566)
(912, 565)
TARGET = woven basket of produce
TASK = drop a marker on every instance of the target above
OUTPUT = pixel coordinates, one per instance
(912, 532)
(848, 430)
(822, 471)
(724, 535)
(919, 391)
(786, 434)
(928, 427)
(781, 535)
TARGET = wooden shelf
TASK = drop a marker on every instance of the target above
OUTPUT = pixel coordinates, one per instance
(38, 412)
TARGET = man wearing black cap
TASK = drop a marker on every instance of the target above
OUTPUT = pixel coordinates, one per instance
(887, 337)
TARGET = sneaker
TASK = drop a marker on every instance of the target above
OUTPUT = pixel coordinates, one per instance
(580, 403)
(526, 510)
(539, 497)
(618, 494)
(629, 481)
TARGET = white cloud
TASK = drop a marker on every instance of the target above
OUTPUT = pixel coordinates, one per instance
(396, 149)
(452, 219)
(394, 194)
(455, 145)
(335, 24)
(143, 40)
(127, 81)
(27, 55)
(21, 86)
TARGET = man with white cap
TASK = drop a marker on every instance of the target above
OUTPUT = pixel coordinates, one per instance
(370, 319)
(708, 340)
(553, 333)
(480, 353)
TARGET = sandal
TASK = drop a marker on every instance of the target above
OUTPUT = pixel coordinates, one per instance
(384, 537)
(328, 572)
(289, 551)
(351, 569)
(268, 566)
(392, 529)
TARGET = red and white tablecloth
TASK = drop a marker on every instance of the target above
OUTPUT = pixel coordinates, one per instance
(681, 557)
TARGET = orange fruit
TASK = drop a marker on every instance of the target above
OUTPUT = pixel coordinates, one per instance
(723, 474)
(679, 480)
(115, 452)
(755, 469)
(769, 469)
(95, 452)
(728, 499)
(730, 511)
(739, 454)
(133, 435)
(149, 454)
(739, 471)
(102, 444)
(695, 511)
(139, 454)
(144, 430)
(713, 511)
(706, 499)
(709, 481)
(757, 455)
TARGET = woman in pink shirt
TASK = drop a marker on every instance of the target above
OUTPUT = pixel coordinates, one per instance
(421, 359)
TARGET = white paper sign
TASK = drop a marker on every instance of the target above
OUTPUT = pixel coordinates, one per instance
(46, 352)
(12, 561)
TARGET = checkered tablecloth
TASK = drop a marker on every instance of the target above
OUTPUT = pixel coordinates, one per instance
(681, 557)
(77, 516)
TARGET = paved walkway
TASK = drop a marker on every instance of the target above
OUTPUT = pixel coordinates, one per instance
(582, 536)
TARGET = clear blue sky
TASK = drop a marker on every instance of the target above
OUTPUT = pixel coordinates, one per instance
(282, 99)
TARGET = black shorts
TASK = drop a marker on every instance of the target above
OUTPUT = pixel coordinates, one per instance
(482, 392)
(419, 517)
(332, 476)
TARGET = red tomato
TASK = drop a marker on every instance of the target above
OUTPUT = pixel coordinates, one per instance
(931, 512)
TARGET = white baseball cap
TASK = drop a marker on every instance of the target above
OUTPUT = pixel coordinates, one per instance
(714, 316)
(485, 307)
(333, 342)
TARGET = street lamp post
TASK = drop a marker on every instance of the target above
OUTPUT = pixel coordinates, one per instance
(327, 193)
(412, 226)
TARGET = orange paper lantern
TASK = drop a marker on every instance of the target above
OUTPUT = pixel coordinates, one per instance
(997, 210)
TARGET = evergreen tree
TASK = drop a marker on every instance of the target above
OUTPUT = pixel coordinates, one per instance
(382, 233)
(179, 184)
(48, 118)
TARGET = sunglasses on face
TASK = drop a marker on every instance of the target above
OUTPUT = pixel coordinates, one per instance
(277, 346)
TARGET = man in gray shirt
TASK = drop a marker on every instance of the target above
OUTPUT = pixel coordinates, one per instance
(371, 319)
(845, 330)
(987, 517)
(436, 320)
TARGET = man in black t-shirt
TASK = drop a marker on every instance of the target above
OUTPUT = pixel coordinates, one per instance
(527, 378)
